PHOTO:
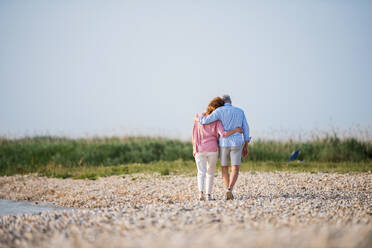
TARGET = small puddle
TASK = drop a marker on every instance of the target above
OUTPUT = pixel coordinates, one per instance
(8, 207)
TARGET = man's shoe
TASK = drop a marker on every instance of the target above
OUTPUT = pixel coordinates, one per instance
(229, 195)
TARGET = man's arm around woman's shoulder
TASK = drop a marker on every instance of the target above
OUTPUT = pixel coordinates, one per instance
(214, 116)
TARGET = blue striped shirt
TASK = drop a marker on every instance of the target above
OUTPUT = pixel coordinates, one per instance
(231, 117)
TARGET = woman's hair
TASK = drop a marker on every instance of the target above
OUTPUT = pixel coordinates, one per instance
(214, 104)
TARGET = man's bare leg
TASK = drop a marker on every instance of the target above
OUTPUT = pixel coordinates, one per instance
(233, 176)
(225, 175)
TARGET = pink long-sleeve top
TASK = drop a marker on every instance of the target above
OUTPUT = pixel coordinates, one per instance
(205, 137)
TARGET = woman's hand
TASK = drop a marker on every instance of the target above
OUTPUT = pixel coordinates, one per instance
(231, 132)
(238, 130)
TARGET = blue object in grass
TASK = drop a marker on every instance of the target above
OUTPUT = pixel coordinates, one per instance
(294, 155)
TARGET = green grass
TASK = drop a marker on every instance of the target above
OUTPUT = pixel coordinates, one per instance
(312, 167)
(328, 149)
(95, 157)
(31, 154)
(161, 168)
(188, 168)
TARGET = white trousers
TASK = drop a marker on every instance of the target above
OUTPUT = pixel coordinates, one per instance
(206, 164)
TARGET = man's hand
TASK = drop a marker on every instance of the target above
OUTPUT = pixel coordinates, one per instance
(245, 149)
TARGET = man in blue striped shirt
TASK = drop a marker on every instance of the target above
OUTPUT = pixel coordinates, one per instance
(233, 146)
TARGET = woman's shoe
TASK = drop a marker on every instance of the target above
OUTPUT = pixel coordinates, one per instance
(201, 197)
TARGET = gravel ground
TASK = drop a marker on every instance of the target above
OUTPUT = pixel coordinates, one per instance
(270, 210)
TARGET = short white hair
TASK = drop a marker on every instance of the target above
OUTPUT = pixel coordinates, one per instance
(226, 98)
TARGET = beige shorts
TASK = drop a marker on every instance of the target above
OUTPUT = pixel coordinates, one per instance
(232, 154)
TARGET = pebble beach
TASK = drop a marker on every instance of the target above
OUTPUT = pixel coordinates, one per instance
(278, 209)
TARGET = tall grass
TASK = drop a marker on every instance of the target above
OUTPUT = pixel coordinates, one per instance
(30, 154)
(327, 149)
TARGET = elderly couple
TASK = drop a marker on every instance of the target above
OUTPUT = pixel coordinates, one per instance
(225, 126)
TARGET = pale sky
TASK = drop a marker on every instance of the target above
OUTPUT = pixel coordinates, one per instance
(84, 68)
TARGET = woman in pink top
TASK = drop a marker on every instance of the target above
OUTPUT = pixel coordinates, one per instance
(205, 147)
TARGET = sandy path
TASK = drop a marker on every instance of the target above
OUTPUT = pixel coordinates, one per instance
(271, 209)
